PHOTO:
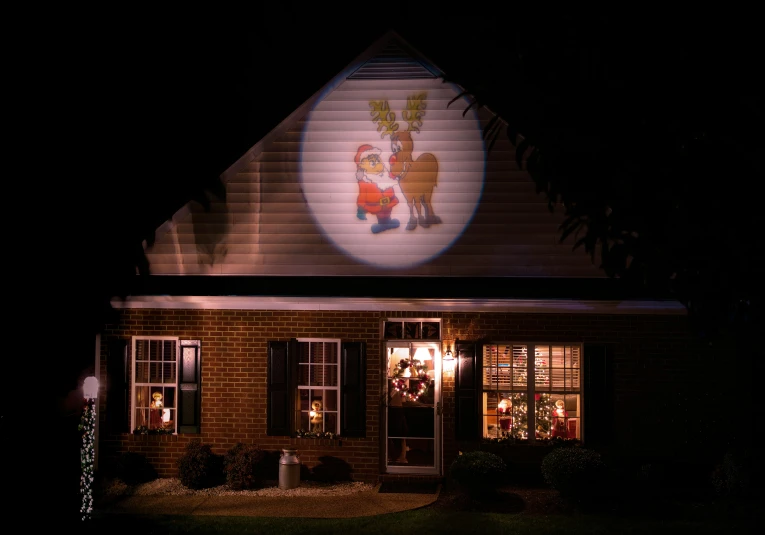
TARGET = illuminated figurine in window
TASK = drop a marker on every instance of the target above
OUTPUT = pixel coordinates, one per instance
(559, 424)
(504, 409)
(316, 417)
(155, 412)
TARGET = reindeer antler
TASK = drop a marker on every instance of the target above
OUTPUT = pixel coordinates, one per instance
(381, 114)
(415, 109)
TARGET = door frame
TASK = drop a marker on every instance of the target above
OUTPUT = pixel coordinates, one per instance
(437, 407)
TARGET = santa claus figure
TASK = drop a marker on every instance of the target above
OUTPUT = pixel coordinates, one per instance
(376, 193)
(559, 420)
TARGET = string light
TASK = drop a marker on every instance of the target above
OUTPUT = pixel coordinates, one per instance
(87, 457)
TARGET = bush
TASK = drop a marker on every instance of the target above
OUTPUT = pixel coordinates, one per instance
(199, 467)
(733, 477)
(578, 474)
(133, 468)
(478, 472)
(242, 466)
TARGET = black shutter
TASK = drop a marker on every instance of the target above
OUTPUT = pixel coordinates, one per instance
(598, 424)
(117, 413)
(282, 388)
(353, 390)
(466, 394)
(189, 385)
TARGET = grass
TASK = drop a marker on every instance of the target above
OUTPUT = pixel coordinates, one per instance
(690, 517)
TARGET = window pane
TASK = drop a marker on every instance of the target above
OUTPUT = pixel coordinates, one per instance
(505, 414)
(168, 350)
(565, 416)
(520, 361)
(330, 421)
(317, 352)
(317, 375)
(431, 330)
(142, 372)
(304, 351)
(168, 372)
(304, 403)
(542, 368)
(155, 372)
(393, 330)
(142, 397)
(330, 397)
(330, 353)
(330, 375)
(142, 350)
(412, 329)
(303, 375)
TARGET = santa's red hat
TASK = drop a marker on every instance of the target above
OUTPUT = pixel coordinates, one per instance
(364, 151)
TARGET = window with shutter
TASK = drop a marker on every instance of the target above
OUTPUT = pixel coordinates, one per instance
(316, 387)
(523, 393)
(165, 380)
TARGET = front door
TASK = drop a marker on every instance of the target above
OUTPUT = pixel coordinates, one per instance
(413, 401)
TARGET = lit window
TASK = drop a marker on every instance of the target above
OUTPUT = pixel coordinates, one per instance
(552, 379)
(319, 385)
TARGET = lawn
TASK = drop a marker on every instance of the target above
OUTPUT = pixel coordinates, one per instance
(516, 513)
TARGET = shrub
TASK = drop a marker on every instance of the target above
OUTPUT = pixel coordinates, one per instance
(133, 468)
(576, 473)
(242, 466)
(478, 472)
(199, 467)
(733, 477)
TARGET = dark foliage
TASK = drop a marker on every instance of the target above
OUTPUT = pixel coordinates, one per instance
(647, 156)
(199, 467)
(242, 465)
(579, 474)
(478, 472)
(134, 468)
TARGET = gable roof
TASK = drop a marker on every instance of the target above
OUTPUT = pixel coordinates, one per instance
(395, 66)
(390, 57)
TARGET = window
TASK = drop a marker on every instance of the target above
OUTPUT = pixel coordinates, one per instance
(164, 395)
(316, 385)
(521, 393)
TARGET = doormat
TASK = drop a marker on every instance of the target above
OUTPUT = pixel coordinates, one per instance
(420, 487)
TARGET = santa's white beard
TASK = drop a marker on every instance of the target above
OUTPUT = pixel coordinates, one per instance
(383, 180)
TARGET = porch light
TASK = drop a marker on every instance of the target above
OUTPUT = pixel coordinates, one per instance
(448, 360)
(90, 388)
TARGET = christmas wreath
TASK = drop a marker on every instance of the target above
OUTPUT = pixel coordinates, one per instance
(418, 383)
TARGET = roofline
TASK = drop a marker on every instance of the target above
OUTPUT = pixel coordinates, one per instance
(568, 306)
(306, 106)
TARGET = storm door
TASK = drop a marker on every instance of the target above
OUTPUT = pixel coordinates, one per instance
(413, 403)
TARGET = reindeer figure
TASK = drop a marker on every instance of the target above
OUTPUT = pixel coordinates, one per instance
(416, 178)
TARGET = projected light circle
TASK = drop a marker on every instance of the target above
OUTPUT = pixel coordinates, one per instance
(391, 175)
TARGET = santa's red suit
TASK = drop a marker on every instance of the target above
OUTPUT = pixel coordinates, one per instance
(376, 201)
(559, 423)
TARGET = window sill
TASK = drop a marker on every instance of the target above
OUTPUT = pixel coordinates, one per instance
(313, 442)
(153, 437)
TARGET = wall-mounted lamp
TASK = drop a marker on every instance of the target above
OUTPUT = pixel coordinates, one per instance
(90, 388)
(448, 360)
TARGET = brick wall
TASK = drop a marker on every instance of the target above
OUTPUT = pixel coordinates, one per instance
(667, 384)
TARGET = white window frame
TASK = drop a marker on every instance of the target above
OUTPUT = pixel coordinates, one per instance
(134, 384)
(338, 347)
(531, 380)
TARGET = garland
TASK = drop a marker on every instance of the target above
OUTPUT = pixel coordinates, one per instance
(87, 457)
(419, 372)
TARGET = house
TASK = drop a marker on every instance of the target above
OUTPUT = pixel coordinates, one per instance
(380, 290)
